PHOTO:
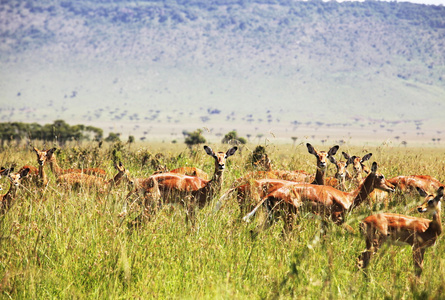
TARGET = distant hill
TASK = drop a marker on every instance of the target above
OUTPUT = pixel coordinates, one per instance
(250, 64)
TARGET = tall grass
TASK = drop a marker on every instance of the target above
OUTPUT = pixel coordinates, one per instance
(73, 244)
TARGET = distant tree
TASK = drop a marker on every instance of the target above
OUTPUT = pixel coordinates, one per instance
(194, 138)
(113, 137)
(232, 137)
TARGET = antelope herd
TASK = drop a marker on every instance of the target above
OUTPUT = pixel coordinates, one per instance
(281, 192)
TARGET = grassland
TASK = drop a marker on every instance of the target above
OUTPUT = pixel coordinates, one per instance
(72, 243)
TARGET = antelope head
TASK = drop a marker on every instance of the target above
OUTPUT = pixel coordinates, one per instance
(432, 203)
(322, 156)
(220, 157)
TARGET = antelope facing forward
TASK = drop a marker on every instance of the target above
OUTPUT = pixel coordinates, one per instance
(15, 178)
(190, 191)
(420, 233)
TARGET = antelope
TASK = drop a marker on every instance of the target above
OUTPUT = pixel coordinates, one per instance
(325, 200)
(191, 171)
(81, 179)
(359, 168)
(419, 233)
(58, 171)
(190, 191)
(259, 188)
(408, 184)
(342, 172)
(15, 178)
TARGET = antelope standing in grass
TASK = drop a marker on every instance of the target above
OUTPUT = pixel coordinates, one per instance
(58, 171)
(77, 180)
(189, 191)
(7, 199)
(419, 233)
(323, 200)
(251, 192)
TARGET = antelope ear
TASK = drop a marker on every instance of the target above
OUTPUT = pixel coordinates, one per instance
(51, 151)
(311, 149)
(440, 191)
(421, 192)
(35, 149)
(366, 157)
(333, 150)
(332, 159)
(209, 150)
(374, 167)
(231, 151)
(346, 156)
(24, 172)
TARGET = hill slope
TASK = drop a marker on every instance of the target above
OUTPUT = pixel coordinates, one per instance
(256, 64)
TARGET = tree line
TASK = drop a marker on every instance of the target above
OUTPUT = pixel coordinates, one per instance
(59, 131)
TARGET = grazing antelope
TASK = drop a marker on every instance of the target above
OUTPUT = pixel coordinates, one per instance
(58, 171)
(15, 178)
(324, 200)
(190, 191)
(419, 233)
(251, 192)
(81, 179)
(408, 184)
(191, 171)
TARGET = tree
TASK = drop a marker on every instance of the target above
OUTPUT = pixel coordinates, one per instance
(113, 137)
(194, 138)
(232, 137)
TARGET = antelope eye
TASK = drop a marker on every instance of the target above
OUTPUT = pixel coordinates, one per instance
(382, 177)
(430, 202)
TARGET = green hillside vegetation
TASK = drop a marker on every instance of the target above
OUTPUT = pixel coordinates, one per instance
(290, 61)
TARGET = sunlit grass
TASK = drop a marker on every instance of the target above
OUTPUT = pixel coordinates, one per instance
(73, 244)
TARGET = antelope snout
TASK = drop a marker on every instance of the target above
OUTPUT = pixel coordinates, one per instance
(421, 209)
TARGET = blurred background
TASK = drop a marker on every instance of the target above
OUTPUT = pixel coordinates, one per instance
(275, 69)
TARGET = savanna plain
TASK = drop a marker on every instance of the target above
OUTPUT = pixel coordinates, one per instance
(76, 243)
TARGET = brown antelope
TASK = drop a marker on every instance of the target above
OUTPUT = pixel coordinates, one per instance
(360, 169)
(84, 180)
(58, 171)
(325, 200)
(342, 174)
(191, 171)
(190, 191)
(358, 166)
(408, 184)
(36, 176)
(255, 190)
(15, 178)
(419, 233)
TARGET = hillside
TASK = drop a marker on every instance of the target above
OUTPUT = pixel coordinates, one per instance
(139, 66)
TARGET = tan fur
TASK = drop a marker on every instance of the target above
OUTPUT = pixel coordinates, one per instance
(419, 233)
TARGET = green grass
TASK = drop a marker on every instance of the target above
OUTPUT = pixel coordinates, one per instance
(73, 244)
